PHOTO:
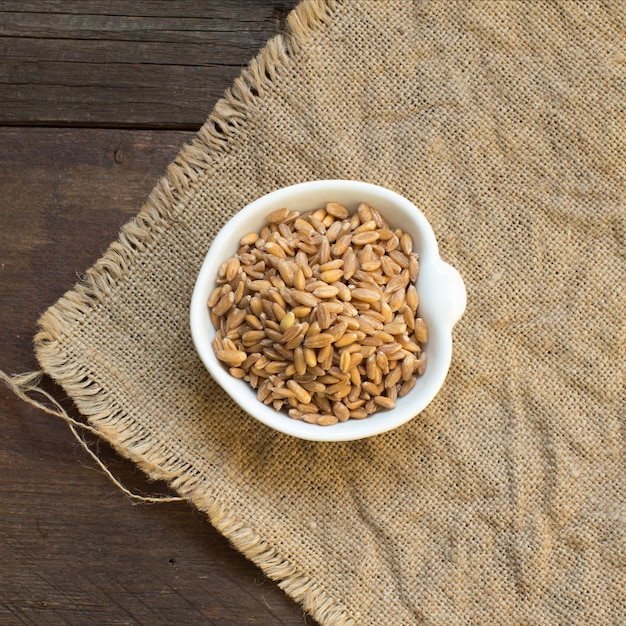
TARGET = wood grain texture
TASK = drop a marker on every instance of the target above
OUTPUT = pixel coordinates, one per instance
(74, 549)
(126, 64)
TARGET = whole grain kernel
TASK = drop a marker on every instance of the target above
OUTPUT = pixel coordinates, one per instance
(235, 318)
(305, 298)
(301, 393)
(239, 293)
(317, 223)
(275, 335)
(414, 267)
(275, 366)
(301, 311)
(232, 269)
(350, 266)
(259, 285)
(249, 239)
(264, 391)
(363, 238)
(331, 265)
(251, 337)
(343, 293)
(311, 418)
(341, 411)
(214, 298)
(330, 276)
(409, 363)
(299, 280)
(407, 386)
(303, 226)
(339, 390)
(345, 362)
(328, 291)
(338, 329)
(287, 272)
(383, 362)
(365, 295)
(408, 317)
(406, 243)
(313, 329)
(287, 321)
(385, 337)
(337, 210)
(389, 266)
(367, 226)
(279, 311)
(327, 419)
(293, 343)
(395, 328)
(400, 258)
(397, 281)
(282, 393)
(354, 399)
(275, 250)
(324, 251)
(278, 216)
(393, 377)
(307, 408)
(310, 357)
(371, 388)
(237, 372)
(421, 330)
(325, 357)
(341, 245)
(378, 218)
(364, 213)
(224, 304)
(346, 339)
(295, 414)
(299, 361)
(411, 346)
(385, 402)
(234, 358)
(318, 313)
(333, 232)
(372, 368)
(371, 265)
(355, 377)
(284, 352)
(290, 332)
(314, 386)
(397, 299)
(411, 298)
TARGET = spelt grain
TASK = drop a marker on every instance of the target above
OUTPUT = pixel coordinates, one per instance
(326, 303)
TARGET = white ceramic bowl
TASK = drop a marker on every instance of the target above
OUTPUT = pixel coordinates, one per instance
(441, 291)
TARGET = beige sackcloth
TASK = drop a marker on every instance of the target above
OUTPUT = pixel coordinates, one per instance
(504, 502)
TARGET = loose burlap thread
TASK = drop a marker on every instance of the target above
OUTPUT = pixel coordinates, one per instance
(504, 501)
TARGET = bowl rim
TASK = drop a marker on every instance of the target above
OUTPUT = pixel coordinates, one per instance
(202, 330)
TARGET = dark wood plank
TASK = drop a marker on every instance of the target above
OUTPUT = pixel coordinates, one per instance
(120, 64)
(74, 549)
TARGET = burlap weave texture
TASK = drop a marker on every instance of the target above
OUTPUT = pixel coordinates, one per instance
(505, 501)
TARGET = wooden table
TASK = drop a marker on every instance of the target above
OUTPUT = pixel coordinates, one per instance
(96, 97)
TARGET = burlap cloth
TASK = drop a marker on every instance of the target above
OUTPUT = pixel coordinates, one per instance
(505, 501)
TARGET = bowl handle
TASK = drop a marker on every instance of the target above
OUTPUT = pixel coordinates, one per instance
(450, 292)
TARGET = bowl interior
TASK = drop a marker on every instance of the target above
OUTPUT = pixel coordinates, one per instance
(399, 212)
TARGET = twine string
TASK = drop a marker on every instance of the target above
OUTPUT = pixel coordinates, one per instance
(23, 385)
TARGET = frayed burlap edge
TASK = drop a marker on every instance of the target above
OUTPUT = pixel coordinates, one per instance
(184, 176)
